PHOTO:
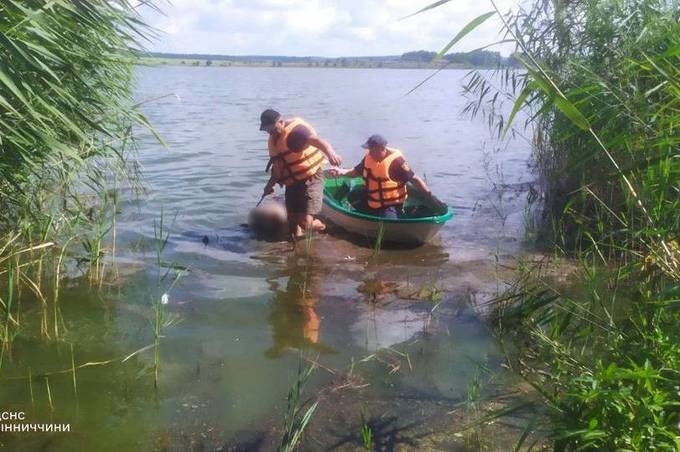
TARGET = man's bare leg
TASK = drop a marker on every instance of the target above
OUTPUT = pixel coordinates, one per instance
(314, 224)
(293, 227)
(318, 225)
(308, 222)
(297, 225)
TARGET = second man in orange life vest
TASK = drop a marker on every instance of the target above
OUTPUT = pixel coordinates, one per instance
(297, 154)
(385, 174)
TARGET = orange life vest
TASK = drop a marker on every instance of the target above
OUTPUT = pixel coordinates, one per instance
(383, 191)
(288, 166)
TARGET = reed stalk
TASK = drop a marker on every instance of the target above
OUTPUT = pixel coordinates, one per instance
(378, 243)
(49, 393)
(161, 297)
(296, 417)
(7, 304)
(73, 373)
(30, 386)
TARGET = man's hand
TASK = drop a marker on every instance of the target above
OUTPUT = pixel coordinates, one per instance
(438, 202)
(334, 172)
(333, 158)
(340, 172)
(319, 143)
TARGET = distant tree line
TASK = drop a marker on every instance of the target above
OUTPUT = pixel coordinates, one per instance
(477, 58)
(480, 58)
(234, 58)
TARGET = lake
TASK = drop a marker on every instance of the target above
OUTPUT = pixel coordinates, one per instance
(398, 336)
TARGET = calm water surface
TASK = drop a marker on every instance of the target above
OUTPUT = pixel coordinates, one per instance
(241, 315)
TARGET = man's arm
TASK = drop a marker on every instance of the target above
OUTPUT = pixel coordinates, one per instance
(337, 172)
(420, 184)
(349, 172)
(399, 170)
(327, 149)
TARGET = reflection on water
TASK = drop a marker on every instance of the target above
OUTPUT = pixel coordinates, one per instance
(294, 321)
(246, 309)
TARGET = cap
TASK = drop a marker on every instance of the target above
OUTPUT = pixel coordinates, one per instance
(375, 141)
(268, 118)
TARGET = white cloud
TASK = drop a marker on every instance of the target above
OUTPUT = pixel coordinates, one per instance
(318, 27)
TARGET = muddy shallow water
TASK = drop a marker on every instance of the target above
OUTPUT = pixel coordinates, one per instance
(398, 335)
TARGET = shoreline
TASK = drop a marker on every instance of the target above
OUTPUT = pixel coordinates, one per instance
(154, 62)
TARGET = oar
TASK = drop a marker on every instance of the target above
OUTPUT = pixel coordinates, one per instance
(260, 201)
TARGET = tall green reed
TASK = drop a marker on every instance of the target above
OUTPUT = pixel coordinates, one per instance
(65, 82)
(378, 242)
(298, 411)
(7, 306)
(599, 93)
(161, 298)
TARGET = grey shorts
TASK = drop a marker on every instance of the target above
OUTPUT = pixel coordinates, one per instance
(305, 196)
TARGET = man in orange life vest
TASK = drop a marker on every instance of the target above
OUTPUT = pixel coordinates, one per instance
(385, 174)
(297, 154)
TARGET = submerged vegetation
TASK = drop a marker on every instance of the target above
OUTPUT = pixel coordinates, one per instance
(600, 94)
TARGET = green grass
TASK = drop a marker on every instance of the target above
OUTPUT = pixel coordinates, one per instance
(603, 360)
(366, 433)
(298, 411)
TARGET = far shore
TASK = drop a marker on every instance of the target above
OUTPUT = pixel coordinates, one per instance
(410, 60)
(259, 64)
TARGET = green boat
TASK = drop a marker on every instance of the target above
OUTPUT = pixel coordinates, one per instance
(420, 222)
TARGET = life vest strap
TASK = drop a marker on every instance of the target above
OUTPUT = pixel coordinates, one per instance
(311, 167)
(378, 198)
(303, 159)
(293, 166)
(383, 191)
(380, 189)
(370, 175)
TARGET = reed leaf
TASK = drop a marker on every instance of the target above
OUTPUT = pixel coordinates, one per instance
(469, 27)
(427, 8)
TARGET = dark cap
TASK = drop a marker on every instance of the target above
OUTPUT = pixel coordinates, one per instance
(375, 141)
(268, 118)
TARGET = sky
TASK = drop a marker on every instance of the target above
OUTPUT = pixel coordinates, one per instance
(328, 28)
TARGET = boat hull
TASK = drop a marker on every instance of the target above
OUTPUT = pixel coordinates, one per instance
(416, 233)
(407, 229)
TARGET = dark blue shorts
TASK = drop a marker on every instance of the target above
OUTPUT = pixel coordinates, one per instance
(392, 212)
